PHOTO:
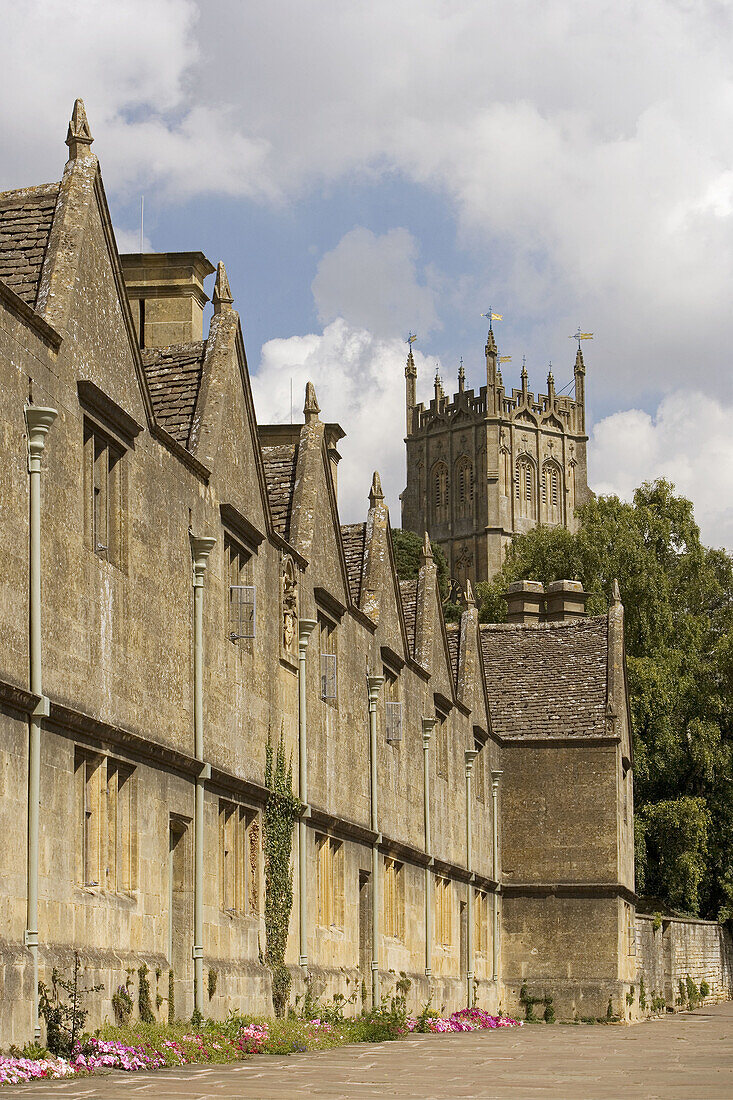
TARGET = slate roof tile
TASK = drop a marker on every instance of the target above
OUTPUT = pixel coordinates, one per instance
(408, 592)
(25, 227)
(547, 680)
(280, 462)
(453, 631)
(354, 539)
(174, 379)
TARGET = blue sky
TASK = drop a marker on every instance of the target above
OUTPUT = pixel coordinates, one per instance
(367, 169)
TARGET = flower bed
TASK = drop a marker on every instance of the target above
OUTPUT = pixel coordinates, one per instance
(152, 1046)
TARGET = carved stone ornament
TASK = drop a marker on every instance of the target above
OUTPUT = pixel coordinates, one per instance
(289, 599)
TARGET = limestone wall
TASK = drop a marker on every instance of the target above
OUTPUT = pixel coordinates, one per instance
(671, 950)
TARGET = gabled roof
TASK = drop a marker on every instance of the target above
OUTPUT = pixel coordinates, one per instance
(353, 536)
(548, 680)
(25, 227)
(408, 592)
(174, 378)
(280, 462)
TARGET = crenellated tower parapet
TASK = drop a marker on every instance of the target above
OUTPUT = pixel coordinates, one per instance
(486, 464)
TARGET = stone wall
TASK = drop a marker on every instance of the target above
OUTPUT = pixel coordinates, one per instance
(670, 950)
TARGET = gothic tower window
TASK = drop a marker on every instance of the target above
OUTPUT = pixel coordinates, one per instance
(551, 493)
(524, 487)
(440, 492)
(464, 488)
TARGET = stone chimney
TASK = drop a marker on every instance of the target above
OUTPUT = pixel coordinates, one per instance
(166, 292)
(565, 601)
(524, 602)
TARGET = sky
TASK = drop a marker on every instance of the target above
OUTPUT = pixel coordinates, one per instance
(368, 169)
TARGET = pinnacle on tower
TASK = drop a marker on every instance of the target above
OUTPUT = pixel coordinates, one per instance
(79, 136)
(410, 368)
(311, 408)
(461, 377)
(438, 384)
(550, 384)
(468, 597)
(616, 593)
(579, 362)
(375, 493)
(222, 294)
(490, 342)
(426, 552)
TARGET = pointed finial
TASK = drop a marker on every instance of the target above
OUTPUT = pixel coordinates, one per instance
(579, 362)
(410, 369)
(550, 383)
(426, 553)
(375, 493)
(79, 137)
(524, 370)
(311, 408)
(461, 377)
(438, 383)
(222, 296)
(468, 597)
(616, 593)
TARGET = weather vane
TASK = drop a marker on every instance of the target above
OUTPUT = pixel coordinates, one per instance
(491, 317)
(504, 359)
(581, 336)
(411, 338)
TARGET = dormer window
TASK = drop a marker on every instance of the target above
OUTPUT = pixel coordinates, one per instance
(329, 669)
(242, 619)
(392, 707)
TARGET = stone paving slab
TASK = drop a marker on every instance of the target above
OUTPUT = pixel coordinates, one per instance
(683, 1057)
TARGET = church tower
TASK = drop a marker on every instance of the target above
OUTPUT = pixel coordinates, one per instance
(482, 467)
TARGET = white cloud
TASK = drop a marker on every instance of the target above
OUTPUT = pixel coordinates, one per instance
(689, 441)
(128, 240)
(360, 382)
(372, 282)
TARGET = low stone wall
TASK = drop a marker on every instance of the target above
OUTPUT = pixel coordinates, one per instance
(669, 950)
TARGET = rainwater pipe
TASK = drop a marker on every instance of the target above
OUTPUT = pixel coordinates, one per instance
(305, 629)
(470, 755)
(496, 871)
(374, 683)
(201, 547)
(38, 421)
(428, 725)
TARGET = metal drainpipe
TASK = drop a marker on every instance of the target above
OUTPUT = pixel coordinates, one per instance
(201, 547)
(470, 755)
(428, 725)
(374, 684)
(305, 629)
(496, 871)
(38, 421)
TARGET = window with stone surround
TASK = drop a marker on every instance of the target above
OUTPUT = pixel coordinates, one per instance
(464, 488)
(392, 707)
(394, 899)
(480, 922)
(239, 859)
(242, 620)
(443, 922)
(525, 493)
(439, 479)
(103, 493)
(552, 492)
(107, 813)
(329, 660)
(440, 737)
(330, 857)
(479, 766)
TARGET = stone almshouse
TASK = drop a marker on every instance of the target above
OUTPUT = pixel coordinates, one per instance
(177, 590)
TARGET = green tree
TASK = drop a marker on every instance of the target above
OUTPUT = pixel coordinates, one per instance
(407, 547)
(678, 599)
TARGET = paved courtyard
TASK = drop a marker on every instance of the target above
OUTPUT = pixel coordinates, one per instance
(684, 1057)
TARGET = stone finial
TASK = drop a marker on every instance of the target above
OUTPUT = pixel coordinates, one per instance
(222, 296)
(410, 368)
(375, 493)
(550, 384)
(438, 384)
(461, 377)
(468, 597)
(579, 363)
(490, 343)
(426, 553)
(616, 593)
(79, 137)
(311, 408)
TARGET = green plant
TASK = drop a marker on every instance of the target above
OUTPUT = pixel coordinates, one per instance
(122, 1004)
(212, 980)
(144, 1004)
(693, 993)
(657, 922)
(642, 994)
(549, 1013)
(682, 992)
(32, 1051)
(171, 996)
(281, 811)
(64, 1022)
(659, 1004)
(529, 1003)
(630, 998)
(704, 989)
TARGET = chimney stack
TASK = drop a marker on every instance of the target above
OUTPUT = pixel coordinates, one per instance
(524, 602)
(565, 601)
(167, 298)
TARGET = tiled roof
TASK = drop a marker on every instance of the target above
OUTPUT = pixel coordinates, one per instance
(25, 226)
(354, 540)
(547, 680)
(408, 592)
(174, 377)
(280, 462)
(453, 631)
